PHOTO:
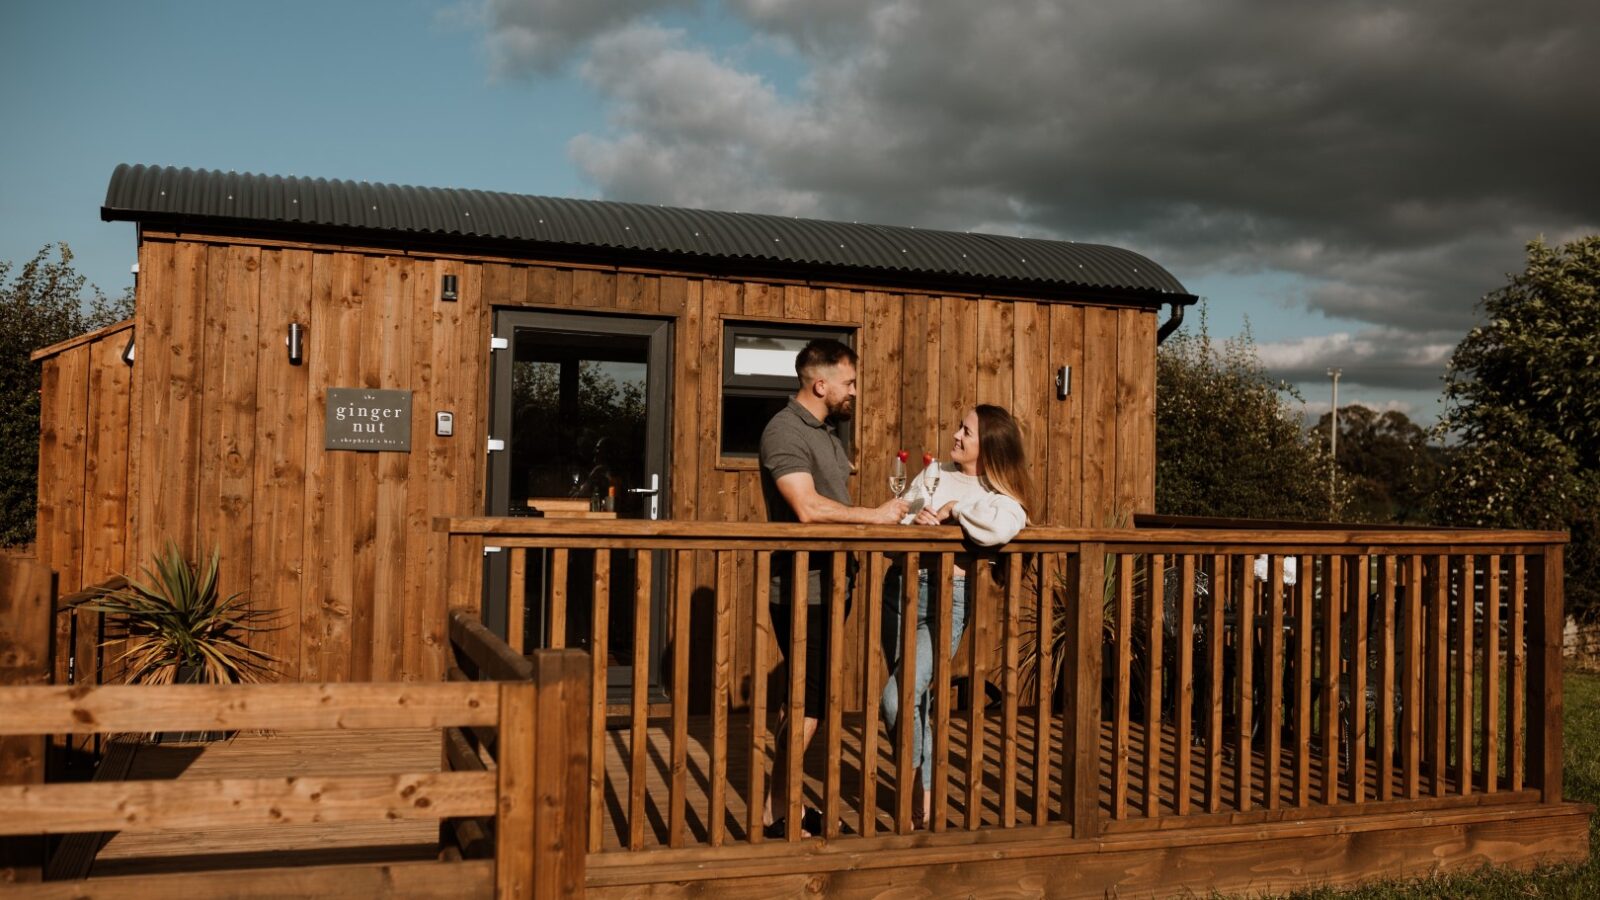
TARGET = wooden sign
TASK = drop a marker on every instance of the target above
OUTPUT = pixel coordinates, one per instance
(368, 419)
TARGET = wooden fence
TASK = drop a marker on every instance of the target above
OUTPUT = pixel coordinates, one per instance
(510, 779)
(1118, 680)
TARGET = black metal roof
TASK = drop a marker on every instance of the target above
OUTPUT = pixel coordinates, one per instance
(162, 193)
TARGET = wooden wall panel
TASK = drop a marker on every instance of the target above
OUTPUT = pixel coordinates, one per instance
(1063, 476)
(919, 381)
(1143, 411)
(278, 511)
(391, 525)
(105, 485)
(1099, 423)
(958, 365)
(1033, 390)
(341, 544)
(1129, 381)
(65, 445)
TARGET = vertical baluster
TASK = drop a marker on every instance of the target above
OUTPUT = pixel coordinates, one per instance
(639, 735)
(943, 627)
(977, 725)
(1464, 692)
(794, 758)
(1155, 577)
(1044, 721)
(872, 683)
(760, 634)
(1439, 672)
(1305, 641)
(1411, 701)
(1080, 737)
(1183, 695)
(1544, 674)
(835, 715)
(517, 600)
(558, 598)
(905, 775)
(1274, 710)
(1385, 718)
(1124, 641)
(1245, 654)
(1517, 666)
(683, 573)
(599, 649)
(722, 695)
(1215, 739)
(1359, 591)
(1332, 591)
(1491, 678)
(1008, 684)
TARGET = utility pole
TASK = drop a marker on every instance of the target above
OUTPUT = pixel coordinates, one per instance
(1333, 446)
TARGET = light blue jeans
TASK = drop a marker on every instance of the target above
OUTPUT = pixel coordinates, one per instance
(893, 606)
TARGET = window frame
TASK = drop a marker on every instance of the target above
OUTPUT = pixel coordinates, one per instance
(769, 386)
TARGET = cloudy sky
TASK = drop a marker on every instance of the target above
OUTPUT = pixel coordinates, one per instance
(1349, 178)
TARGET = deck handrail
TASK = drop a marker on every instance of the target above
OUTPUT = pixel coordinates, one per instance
(1357, 685)
(669, 533)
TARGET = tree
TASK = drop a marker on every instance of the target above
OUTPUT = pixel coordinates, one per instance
(1227, 442)
(1388, 469)
(1522, 394)
(46, 302)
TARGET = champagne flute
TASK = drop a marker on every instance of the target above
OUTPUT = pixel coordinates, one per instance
(897, 474)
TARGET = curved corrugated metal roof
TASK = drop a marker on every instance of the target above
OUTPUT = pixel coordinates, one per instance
(142, 193)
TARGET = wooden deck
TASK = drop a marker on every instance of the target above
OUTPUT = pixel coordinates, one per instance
(278, 755)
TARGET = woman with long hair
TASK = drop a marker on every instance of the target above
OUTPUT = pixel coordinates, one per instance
(983, 487)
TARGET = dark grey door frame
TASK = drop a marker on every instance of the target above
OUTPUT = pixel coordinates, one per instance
(658, 393)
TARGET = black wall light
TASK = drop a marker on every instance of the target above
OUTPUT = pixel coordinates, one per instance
(447, 288)
(127, 352)
(295, 342)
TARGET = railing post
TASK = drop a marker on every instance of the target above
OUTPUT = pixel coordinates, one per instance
(27, 627)
(461, 571)
(1545, 621)
(515, 791)
(1081, 686)
(561, 773)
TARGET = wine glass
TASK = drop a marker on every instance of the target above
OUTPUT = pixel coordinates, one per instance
(930, 475)
(897, 474)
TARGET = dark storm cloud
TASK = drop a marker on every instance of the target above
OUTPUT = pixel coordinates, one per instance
(1396, 157)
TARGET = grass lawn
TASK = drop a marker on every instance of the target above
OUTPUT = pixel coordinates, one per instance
(1581, 751)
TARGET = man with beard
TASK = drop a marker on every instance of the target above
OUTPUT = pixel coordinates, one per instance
(805, 474)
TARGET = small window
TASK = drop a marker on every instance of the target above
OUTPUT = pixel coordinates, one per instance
(758, 379)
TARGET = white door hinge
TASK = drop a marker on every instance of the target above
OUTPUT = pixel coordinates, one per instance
(498, 343)
(496, 444)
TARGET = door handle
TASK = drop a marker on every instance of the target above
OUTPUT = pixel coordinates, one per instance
(653, 492)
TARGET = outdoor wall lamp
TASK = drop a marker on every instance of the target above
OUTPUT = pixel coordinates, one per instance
(127, 352)
(447, 288)
(1063, 382)
(295, 342)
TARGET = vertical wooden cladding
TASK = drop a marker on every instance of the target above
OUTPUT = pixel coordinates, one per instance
(225, 435)
(229, 439)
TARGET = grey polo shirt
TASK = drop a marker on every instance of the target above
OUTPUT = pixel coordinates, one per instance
(795, 441)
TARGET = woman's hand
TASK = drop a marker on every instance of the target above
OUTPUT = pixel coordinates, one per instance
(926, 516)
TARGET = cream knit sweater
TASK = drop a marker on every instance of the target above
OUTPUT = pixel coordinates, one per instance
(988, 517)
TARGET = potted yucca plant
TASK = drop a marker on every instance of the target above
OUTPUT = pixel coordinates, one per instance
(175, 627)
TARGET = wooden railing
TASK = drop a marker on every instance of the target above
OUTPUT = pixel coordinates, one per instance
(1115, 679)
(509, 781)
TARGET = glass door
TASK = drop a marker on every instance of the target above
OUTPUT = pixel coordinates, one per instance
(581, 404)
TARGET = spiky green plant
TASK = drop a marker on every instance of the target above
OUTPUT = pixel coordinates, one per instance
(176, 619)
